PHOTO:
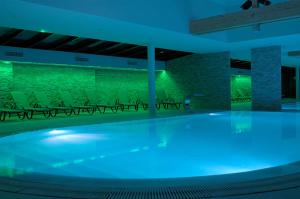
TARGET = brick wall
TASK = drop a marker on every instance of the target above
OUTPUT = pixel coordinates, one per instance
(107, 84)
(51, 80)
(207, 74)
(266, 78)
(6, 82)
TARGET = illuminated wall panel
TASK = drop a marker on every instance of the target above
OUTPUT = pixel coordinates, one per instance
(6, 81)
(106, 83)
(241, 90)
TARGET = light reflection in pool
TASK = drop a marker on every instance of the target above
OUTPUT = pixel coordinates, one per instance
(196, 145)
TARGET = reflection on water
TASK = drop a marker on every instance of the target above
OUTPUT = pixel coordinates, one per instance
(291, 106)
(196, 145)
(241, 122)
(7, 163)
(289, 131)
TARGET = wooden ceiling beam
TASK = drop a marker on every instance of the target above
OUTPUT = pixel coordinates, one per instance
(9, 36)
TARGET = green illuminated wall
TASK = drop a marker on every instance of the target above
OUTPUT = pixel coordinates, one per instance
(107, 83)
(241, 90)
(6, 81)
(52, 79)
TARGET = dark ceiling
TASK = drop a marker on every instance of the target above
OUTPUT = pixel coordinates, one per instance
(241, 64)
(50, 41)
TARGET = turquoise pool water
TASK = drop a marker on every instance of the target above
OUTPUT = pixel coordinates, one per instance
(185, 146)
(291, 106)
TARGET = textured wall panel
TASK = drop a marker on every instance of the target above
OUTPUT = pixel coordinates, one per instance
(207, 74)
(266, 78)
(106, 84)
(51, 80)
(6, 80)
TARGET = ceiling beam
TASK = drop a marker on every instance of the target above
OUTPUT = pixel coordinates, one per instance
(104, 46)
(60, 43)
(30, 43)
(139, 53)
(276, 12)
(83, 44)
(128, 51)
(92, 48)
(118, 48)
(9, 35)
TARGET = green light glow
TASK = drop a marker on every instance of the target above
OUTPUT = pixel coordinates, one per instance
(6, 62)
(107, 84)
(83, 66)
(241, 90)
(43, 31)
(241, 122)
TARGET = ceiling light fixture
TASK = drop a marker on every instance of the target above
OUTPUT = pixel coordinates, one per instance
(247, 5)
(251, 4)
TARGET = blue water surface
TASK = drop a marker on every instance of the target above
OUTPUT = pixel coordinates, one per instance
(184, 146)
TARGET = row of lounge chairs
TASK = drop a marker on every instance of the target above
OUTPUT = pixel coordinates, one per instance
(22, 108)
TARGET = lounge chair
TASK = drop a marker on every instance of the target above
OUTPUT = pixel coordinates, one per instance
(4, 113)
(43, 101)
(144, 101)
(68, 101)
(21, 102)
(168, 101)
(126, 102)
(99, 103)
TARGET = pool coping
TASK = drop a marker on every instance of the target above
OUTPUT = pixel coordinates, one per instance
(240, 184)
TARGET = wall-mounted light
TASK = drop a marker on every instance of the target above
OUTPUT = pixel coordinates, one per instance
(6, 62)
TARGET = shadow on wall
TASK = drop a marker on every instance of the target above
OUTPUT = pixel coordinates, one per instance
(52, 79)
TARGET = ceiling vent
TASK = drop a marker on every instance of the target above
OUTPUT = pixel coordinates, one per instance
(14, 54)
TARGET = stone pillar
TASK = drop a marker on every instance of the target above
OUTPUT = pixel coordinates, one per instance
(151, 80)
(204, 77)
(266, 78)
(297, 83)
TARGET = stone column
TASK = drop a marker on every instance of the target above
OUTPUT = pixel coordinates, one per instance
(151, 80)
(204, 77)
(297, 83)
(266, 78)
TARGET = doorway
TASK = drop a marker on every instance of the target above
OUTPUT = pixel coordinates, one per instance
(241, 92)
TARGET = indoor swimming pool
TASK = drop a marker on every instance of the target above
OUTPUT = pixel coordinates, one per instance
(183, 146)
